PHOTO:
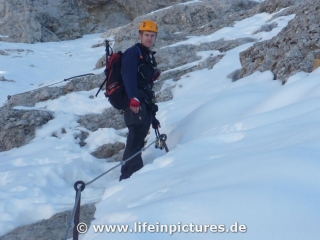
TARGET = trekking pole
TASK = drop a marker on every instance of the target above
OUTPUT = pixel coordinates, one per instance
(106, 70)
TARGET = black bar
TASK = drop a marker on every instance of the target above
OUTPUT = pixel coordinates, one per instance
(76, 220)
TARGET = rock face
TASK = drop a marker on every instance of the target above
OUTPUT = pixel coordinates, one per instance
(108, 150)
(271, 6)
(29, 99)
(172, 57)
(294, 49)
(17, 127)
(53, 228)
(110, 118)
(178, 21)
(31, 21)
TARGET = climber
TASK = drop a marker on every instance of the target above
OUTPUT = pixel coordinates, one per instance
(139, 71)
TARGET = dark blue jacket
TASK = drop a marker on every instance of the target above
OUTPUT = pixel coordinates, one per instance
(132, 58)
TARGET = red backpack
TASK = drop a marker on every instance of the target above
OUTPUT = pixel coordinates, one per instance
(115, 90)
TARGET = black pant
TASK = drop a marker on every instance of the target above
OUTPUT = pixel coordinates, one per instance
(138, 125)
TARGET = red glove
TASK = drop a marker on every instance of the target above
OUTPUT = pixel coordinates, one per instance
(135, 105)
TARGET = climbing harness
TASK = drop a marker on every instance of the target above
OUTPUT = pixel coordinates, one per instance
(79, 186)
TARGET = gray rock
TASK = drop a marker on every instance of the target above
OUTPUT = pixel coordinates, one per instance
(164, 95)
(183, 19)
(108, 150)
(101, 62)
(172, 57)
(31, 21)
(267, 27)
(19, 50)
(17, 127)
(82, 136)
(4, 53)
(18, 133)
(29, 99)
(294, 49)
(179, 21)
(110, 118)
(210, 62)
(54, 228)
(271, 6)
(3, 79)
(117, 157)
(176, 74)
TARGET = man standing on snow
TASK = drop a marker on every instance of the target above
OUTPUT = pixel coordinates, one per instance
(139, 71)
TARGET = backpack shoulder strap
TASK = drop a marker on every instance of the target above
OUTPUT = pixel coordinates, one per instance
(145, 60)
(141, 57)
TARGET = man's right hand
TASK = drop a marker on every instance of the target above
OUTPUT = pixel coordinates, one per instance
(135, 105)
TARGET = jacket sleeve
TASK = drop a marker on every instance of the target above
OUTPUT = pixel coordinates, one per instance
(130, 61)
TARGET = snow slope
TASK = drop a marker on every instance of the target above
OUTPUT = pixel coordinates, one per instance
(34, 65)
(244, 152)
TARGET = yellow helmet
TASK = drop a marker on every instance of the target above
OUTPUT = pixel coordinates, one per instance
(148, 25)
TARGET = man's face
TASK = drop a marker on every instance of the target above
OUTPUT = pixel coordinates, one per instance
(148, 38)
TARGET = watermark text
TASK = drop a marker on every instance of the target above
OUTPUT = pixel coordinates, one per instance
(144, 227)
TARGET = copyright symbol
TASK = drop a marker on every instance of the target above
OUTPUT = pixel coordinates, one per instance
(82, 228)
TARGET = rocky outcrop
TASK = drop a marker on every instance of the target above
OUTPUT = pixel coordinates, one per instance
(30, 98)
(52, 228)
(39, 21)
(17, 127)
(165, 94)
(178, 21)
(108, 150)
(110, 118)
(3, 79)
(172, 57)
(271, 6)
(294, 49)
(31, 21)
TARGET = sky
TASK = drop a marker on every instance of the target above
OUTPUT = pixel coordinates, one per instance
(243, 155)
